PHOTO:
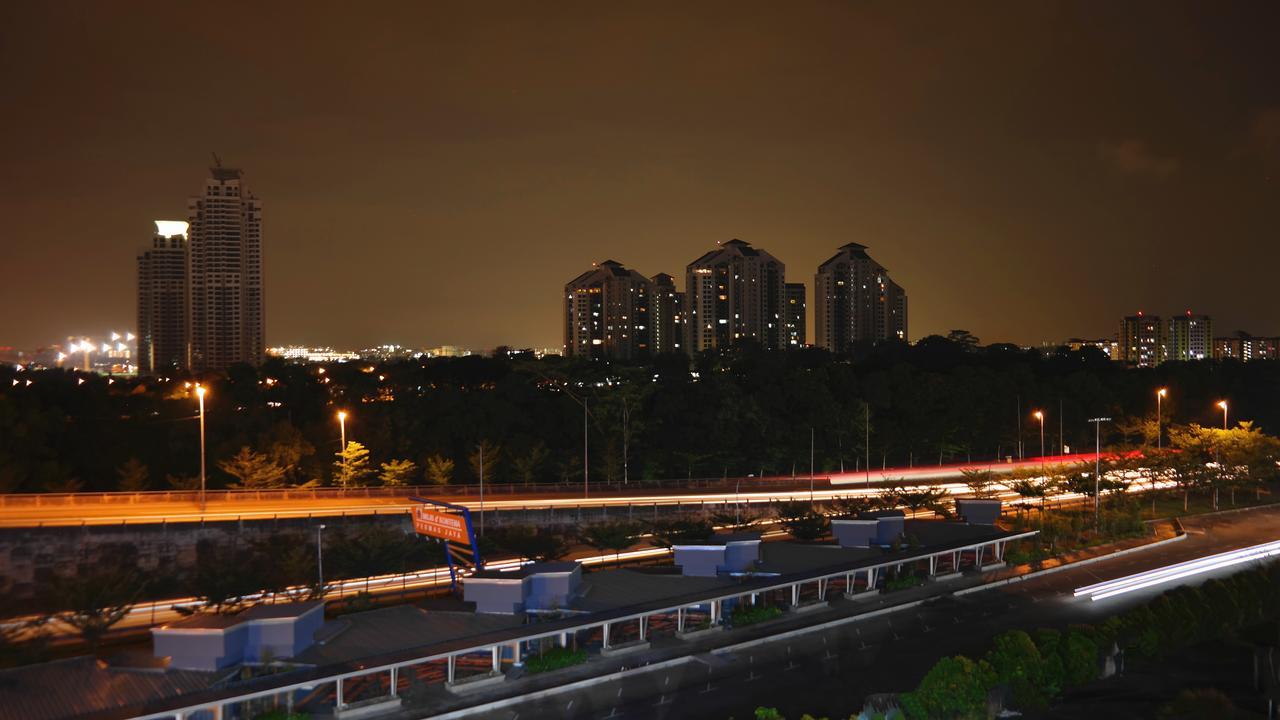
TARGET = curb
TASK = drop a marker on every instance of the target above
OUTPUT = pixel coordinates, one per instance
(674, 662)
(1069, 566)
(556, 690)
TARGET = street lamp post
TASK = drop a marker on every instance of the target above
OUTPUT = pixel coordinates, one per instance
(810, 466)
(480, 448)
(320, 557)
(342, 430)
(200, 396)
(1039, 415)
(1097, 465)
(1160, 417)
(1223, 404)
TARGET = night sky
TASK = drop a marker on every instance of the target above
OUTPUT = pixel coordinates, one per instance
(435, 173)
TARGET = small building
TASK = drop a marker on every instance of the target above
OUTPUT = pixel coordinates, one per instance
(212, 642)
(536, 587)
(729, 553)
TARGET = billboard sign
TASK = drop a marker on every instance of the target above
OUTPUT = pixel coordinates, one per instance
(445, 526)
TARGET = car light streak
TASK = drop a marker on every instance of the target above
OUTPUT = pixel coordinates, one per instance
(1169, 573)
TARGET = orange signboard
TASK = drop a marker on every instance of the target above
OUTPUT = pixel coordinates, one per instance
(440, 525)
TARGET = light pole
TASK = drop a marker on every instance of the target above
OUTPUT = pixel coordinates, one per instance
(1160, 417)
(480, 448)
(810, 466)
(1097, 465)
(200, 397)
(1039, 415)
(320, 558)
(867, 426)
(342, 430)
(1223, 404)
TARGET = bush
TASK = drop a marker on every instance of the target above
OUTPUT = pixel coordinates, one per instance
(554, 659)
(1079, 657)
(744, 615)
(902, 582)
(955, 687)
(1017, 663)
(1196, 704)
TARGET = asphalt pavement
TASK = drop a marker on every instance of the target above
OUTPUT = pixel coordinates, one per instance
(830, 672)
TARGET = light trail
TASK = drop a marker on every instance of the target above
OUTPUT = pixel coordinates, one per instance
(1178, 571)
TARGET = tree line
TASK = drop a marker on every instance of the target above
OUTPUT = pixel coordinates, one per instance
(729, 413)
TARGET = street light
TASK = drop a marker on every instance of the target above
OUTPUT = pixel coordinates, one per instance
(1039, 415)
(1223, 404)
(1097, 465)
(200, 396)
(1160, 416)
(342, 430)
(320, 559)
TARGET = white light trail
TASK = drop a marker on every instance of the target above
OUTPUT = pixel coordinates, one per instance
(1169, 573)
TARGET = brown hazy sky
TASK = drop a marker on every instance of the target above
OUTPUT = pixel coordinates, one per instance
(434, 173)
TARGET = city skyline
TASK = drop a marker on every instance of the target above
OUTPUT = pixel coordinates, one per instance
(997, 207)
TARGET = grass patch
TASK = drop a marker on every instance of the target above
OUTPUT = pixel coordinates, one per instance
(554, 659)
(744, 615)
(902, 582)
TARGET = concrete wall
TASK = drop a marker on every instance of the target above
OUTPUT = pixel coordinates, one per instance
(854, 533)
(552, 590)
(741, 556)
(699, 560)
(493, 595)
(202, 650)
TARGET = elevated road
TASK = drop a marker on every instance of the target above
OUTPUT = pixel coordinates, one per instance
(24, 511)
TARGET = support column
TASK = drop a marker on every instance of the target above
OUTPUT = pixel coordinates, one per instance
(977, 557)
(679, 620)
(644, 626)
(933, 565)
(339, 703)
(564, 639)
(715, 612)
(515, 654)
(605, 636)
(497, 659)
(451, 668)
(217, 712)
(822, 589)
(848, 583)
(955, 561)
(395, 680)
(795, 594)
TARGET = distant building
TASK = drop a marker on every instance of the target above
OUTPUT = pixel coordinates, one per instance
(225, 245)
(606, 313)
(666, 314)
(793, 316)
(855, 301)
(164, 330)
(299, 353)
(1107, 346)
(1190, 337)
(1141, 340)
(735, 292)
(450, 351)
(1243, 346)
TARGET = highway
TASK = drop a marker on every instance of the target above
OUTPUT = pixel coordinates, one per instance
(829, 673)
(127, 508)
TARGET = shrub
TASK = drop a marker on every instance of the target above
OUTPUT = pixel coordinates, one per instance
(1079, 657)
(744, 615)
(902, 582)
(956, 687)
(554, 659)
(1017, 663)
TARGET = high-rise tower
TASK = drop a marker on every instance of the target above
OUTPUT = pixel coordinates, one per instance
(735, 292)
(855, 301)
(164, 330)
(225, 242)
